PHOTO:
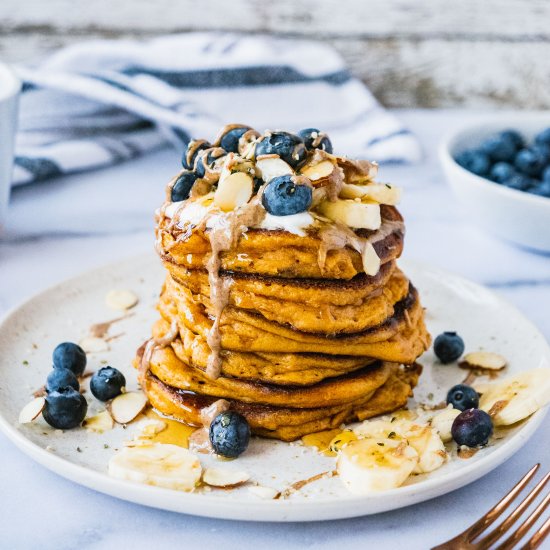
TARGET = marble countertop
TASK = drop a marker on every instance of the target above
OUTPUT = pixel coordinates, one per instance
(61, 228)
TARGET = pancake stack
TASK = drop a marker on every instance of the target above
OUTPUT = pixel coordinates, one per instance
(300, 321)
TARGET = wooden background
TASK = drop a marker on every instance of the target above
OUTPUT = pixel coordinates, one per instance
(412, 53)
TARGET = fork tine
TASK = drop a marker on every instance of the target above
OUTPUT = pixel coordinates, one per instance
(538, 538)
(511, 541)
(481, 524)
(492, 537)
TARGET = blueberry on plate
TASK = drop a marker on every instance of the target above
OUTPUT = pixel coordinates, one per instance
(543, 138)
(448, 347)
(515, 137)
(283, 197)
(69, 356)
(499, 148)
(182, 186)
(65, 408)
(229, 434)
(230, 140)
(472, 428)
(463, 397)
(289, 147)
(193, 149)
(207, 159)
(314, 139)
(107, 383)
(530, 162)
(61, 378)
(542, 189)
(519, 182)
(474, 161)
(502, 171)
(546, 174)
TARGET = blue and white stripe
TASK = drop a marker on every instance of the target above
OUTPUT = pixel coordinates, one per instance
(98, 103)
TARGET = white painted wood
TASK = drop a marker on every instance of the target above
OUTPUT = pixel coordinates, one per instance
(429, 53)
(389, 18)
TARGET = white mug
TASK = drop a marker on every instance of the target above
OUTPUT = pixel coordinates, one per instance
(10, 86)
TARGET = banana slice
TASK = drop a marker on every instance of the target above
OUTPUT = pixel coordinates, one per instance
(485, 360)
(381, 193)
(352, 213)
(422, 437)
(271, 166)
(101, 422)
(375, 464)
(159, 464)
(443, 422)
(233, 191)
(517, 397)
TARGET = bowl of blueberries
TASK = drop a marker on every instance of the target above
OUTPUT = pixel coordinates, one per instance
(500, 172)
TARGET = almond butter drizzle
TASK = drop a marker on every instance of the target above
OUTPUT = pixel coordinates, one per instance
(156, 343)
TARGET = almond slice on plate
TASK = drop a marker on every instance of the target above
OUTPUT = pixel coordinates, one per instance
(31, 411)
(218, 477)
(266, 493)
(92, 344)
(127, 406)
(121, 299)
(99, 423)
(484, 360)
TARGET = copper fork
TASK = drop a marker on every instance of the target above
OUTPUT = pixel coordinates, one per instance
(467, 539)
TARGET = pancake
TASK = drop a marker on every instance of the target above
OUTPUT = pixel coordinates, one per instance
(286, 423)
(312, 312)
(278, 252)
(168, 368)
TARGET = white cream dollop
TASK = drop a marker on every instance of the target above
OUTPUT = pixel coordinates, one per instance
(295, 223)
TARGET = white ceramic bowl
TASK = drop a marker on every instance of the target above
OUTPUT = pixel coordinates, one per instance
(516, 216)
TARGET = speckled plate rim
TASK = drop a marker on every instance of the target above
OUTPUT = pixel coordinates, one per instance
(275, 510)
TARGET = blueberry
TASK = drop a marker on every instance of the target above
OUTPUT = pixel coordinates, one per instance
(543, 151)
(313, 139)
(474, 161)
(65, 408)
(182, 186)
(515, 137)
(463, 397)
(448, 347)
(193, 149)
(542, 189)
(472, 428)
(543, 138)
(289, 147)
(107, 383)
(69, 356)
(230, 140)
(229, 434)
(282, 197)
(501, 171)
(546, 174)
(60, 378)
(208, 157)
(530, 162)
(499, 148)
(520, 182)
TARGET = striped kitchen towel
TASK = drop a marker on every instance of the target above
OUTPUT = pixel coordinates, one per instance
(98, 103)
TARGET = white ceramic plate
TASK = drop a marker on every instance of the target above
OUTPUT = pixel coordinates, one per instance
(29, 334)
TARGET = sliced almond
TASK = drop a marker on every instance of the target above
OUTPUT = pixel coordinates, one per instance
(91, 344)
(318, 171)
(371, 261)
(272, 167)
(153, 428)
(127, 406)
(266, 493)
(121, 299)
(234, 191)
(31, 411)
(484, 360)
(99, 423)
(218, 477)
